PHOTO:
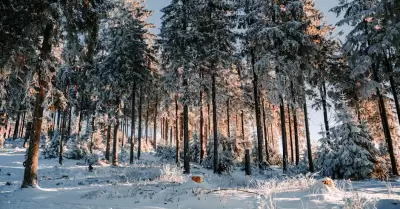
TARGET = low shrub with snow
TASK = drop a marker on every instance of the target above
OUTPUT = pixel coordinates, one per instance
(78, 151)
(194, 149)
(171, 173)
(226, 157)
(166, 153)
(52, 147)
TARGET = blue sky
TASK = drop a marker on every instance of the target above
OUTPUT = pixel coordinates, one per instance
(316, 118)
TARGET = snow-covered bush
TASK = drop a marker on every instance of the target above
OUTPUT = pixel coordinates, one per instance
(349, 152)
(79, 150)
(171, 173)
(166, 153)
(194, 149)
(226, 157)
(52, 147)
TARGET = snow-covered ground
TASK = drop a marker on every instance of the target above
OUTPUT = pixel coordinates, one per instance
(154, 185)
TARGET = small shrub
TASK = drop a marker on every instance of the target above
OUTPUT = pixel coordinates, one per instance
(166, 153)
(79, 150)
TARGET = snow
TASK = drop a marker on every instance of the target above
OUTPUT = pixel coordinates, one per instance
(155, 185)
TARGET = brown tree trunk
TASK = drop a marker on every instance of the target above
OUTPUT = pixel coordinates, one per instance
(186, 159)
(31, 163)
(325, 108)
(62, 138)
(140, 122)
(202, 150)
(16, 127)
(108, 143)
(284, 138)
(147, 121)
(290, 134)
(209, 119)
(309, 150)
(80, 118)
(215, 128)
(92, 134)
(178, 144)
(258, 116)
(166, 129)
(115, 137)
(265, 132)
(228, 131)
(155, 125)
(133, 119)
(69, 122)
(21, 133)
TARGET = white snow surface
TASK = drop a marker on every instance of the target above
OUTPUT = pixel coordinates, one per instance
(155, 185)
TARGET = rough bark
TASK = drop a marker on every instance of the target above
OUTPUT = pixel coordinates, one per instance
(108, 143)
(140, 123)
(16, 127)
(215, 128)
(290, 134)
(306, 124)
(258, 116)
(296, 135)
(155, 125)
(31, 163)
(178, 148)
(147, 121)
(62, 132)
(284, 137)
(115, 137)
(133, 119)
(21, 133)
(228, 131)
(186, 157)
(265, 132)
(202, 150)
(325, 108)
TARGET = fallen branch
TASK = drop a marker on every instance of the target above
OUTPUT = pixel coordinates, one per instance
(240, 190)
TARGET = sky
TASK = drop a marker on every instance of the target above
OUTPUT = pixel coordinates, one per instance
(315, 117)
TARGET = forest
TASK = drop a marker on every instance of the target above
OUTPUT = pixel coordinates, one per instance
(226, 85)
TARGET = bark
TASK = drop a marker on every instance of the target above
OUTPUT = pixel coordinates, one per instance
(16, 127)
(209, 119)
(296, 135)
(396, 101)
(133, 119)
(242, 116)
(284, 137)
(325, 108)
(58, 119)
(215, 128)
(178, 146)
(309, 150)
(247, 162)
(115, 137)
(122, 131)
(63, 126)
(147, 121)
(166, 129)
(186, 157)
(69, 122)
(258, 115)
(385, 124)
(265, 132)
(21, 133)
(228, 131)
(290, 134)
(92, 134)
(202, 150)
(108, 143)
(162, 128)
(140, 122)
(80, 118)
(155, 125)
(31, 163)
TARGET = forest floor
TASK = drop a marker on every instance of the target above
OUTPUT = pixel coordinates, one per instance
(155, 185)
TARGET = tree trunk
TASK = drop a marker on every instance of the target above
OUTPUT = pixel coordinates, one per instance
(162, 128)
(186, 157)
(147, 121)
(265, 132)
(209, 119)
(290, 134)
(247, 162)
(155, 125)
(385, 124)
(123, 131)
(215, 128)
(69, 122)
(92, 134)
(258, 116)
(58, 119)
(170, 134)
(166, 129)
(133, 119)
(140, 122)
(228, 131)
(202, 150)
(325, 109)
(242, 116)
(115, 137)
(296, 135)
(284, 138)
(396, 101)
(62, 138)
(31, 163)
(16, 127)
(80, 118)
(309, 150)
(108, 143)
(21, 133)
(178, 146)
